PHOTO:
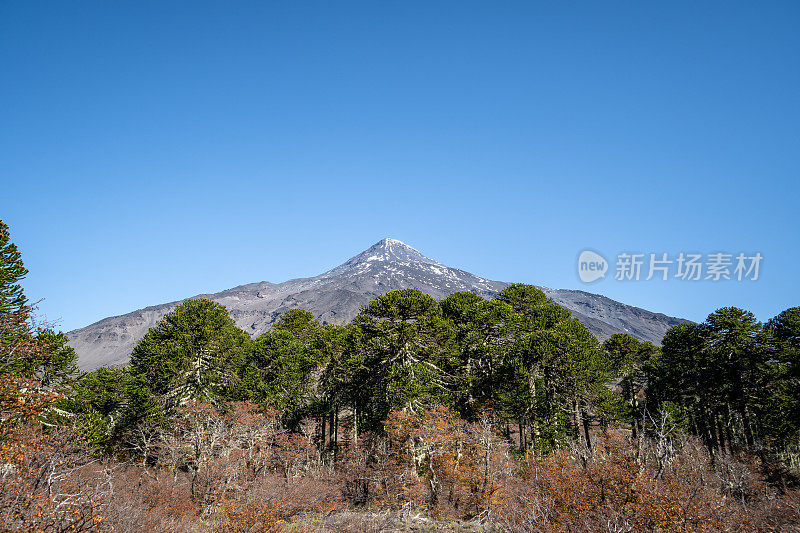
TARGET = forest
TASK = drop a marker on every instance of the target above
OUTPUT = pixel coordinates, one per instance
(463, 414)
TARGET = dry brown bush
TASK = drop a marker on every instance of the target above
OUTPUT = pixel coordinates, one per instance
(235, 470)
(43, 466)
(442, 463)
(618, 488)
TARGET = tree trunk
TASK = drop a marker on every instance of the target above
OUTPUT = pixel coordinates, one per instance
(701, 425)
(729, 427)
(721, 434)
(336, 426)
(586, 430)
(534, 421)
(355, 425)
(332, 428)
(748, 432)
(711, 421)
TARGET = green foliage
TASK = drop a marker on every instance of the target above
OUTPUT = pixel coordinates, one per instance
(629, 360)
(110, 403)
(48, 359)
(12, 271)
(484, 333)
(566, 368)
(733, 380)
(781, 341)
(533, 306)
(278, 371)
(342, 379)
(193, 353)
(300, 323)
(407, 353)
(104, 389)
(283, 365)
(61, 362)
(554, 369)
(519, 358)
(461, 307)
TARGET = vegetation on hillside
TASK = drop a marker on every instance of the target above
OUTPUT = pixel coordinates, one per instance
(503, 414)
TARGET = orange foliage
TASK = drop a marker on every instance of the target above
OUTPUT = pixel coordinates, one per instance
(444, 463)
(42, 487)
(614, 489)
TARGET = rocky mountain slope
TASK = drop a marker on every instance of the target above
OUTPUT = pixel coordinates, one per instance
(336, 297)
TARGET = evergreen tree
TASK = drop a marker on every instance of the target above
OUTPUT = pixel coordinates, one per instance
(301, 324)
(715, 373)
(12, 299)
(731, 343)
(561, 362)
(566, 373)
(484, 335)
(61, 363)
(684, 375)
(111, 403)
(279, 366)
(407, 353)
(782, 341)
(337, 390)
(194, 352)
(629, 360)
(537, 311)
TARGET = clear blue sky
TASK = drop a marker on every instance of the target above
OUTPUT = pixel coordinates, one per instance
(150, 151)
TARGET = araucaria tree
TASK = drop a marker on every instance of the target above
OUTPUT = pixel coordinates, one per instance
(407, 353)
(277, 371)
(562, 364)
(12, 299)
(629, 360)
(193, 353)
(732, 380)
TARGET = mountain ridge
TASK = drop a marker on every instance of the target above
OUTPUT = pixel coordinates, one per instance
(337, 295)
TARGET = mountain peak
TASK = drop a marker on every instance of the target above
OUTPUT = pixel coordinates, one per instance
(385, 251)
(391, 246)
(392, 250)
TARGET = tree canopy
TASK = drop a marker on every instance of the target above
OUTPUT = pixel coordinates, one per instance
(194, 352)
(12, 272)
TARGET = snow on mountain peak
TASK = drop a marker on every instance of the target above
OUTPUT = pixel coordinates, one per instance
(393, 250)
(384, 252)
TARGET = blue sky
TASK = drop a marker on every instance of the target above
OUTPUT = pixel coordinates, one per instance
(150, 151)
